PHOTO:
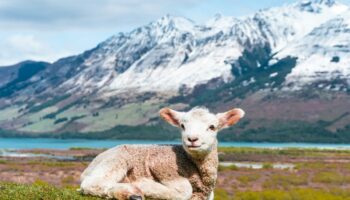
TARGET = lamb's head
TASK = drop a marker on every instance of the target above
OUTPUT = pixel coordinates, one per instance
(199, 127)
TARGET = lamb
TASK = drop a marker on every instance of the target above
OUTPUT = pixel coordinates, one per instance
(168, 172)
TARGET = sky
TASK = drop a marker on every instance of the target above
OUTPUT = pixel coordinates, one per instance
(47, 30)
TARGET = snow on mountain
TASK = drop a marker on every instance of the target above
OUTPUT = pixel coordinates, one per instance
(286, 24)
(323, 55)
(174, 52)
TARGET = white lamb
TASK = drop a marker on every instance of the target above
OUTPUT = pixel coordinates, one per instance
(169, 172)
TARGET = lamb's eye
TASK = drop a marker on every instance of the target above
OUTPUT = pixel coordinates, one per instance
(183, 126)
(212, 127)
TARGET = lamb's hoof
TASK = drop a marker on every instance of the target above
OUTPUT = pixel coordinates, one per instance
(135, 197)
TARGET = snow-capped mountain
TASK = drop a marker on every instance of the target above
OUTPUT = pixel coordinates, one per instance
(323, 55)
(174, 52)
(174, 56)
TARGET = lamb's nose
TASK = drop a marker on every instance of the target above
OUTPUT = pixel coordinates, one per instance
(194, 139)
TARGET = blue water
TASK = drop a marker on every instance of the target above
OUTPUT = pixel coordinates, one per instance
(46, 143)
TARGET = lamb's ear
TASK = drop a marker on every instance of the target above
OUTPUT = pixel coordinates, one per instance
(230, 117)
(171, 116)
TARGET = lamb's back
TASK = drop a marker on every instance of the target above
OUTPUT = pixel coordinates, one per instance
(159, 162)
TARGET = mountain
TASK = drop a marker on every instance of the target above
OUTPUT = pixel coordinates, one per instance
(322, 56)
(295, 54)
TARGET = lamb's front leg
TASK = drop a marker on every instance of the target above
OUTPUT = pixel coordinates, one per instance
(177, 189)
(110, 186)
(211, 197)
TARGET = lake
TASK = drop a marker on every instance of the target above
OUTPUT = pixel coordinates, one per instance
(50, 143)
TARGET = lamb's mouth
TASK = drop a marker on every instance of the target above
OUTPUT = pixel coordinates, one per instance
(193, 146)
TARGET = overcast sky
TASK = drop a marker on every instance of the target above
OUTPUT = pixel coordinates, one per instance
(50, 29)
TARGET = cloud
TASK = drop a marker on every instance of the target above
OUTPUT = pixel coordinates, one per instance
(50, 29)
(26, 47)
(80, 14)
(25, 44)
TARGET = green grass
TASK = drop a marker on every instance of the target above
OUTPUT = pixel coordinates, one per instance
(131, 115)
(227, 168)
(294, 194)
(267, 166)
(286, 181)
(300, 152)
(60, 164)
(248, 178)
(9, 113)
(86, 148)
(221, 194)
(47, 104)
(43, 126)
(39, 190)
(331, 177)
(37, 116)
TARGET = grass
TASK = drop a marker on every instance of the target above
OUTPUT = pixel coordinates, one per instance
(45, 125)
(331, 177)
(286, 181)
(318, 175)
(131, 114)
(221, 194)
(49, 118)
(267, 166)
(248, 178)
(44, 191)
(47, 104)
(85, 148)
(60, 164)
(285, 151)
(42, 165)
(9, 111)
(67, 181)
(227, 168)
(39, 190)
(294, 194)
